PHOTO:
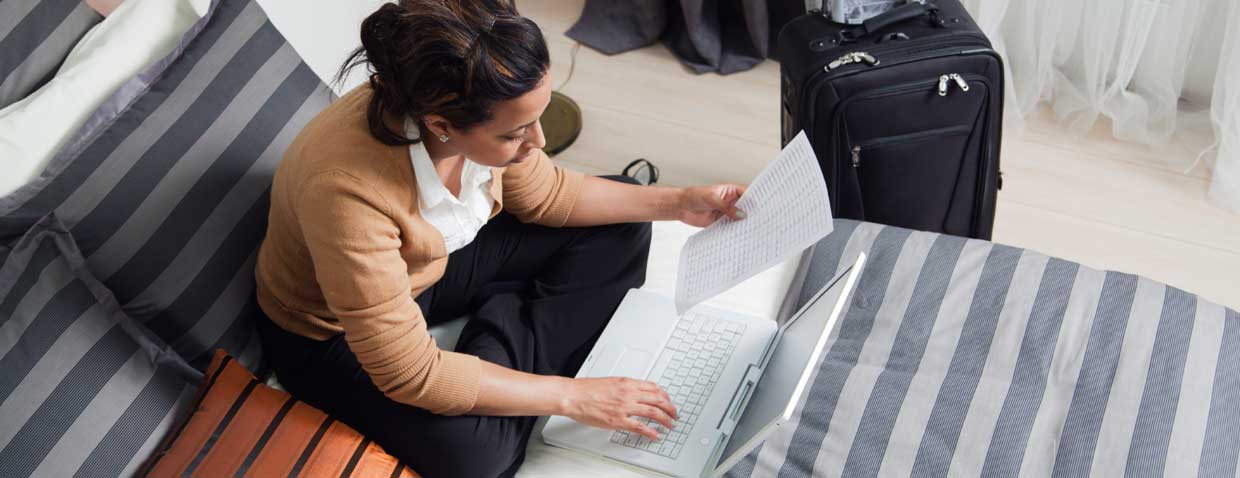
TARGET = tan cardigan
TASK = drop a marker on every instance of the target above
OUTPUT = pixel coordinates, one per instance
(346, 251)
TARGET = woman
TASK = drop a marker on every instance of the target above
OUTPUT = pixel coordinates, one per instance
(423, 196)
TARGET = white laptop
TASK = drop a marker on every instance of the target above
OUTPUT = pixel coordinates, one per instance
(734, 378)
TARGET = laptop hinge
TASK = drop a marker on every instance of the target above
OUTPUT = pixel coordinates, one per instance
(770, 349)
(740, 398)
(715, 454)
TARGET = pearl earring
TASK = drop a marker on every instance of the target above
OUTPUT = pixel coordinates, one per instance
(443, 138)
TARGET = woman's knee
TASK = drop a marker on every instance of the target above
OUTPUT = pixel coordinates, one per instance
(627, 247)
(638, 234)
(472, 446)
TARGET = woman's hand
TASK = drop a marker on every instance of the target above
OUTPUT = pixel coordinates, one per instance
(612, 402)
(702, 206)
(603, 201)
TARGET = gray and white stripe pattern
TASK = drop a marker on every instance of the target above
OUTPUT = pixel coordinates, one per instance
(85, 390)
(168, 200)
(35, 37)
(966, 358)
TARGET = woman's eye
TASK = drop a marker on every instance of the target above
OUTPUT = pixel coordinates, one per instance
(510, 138)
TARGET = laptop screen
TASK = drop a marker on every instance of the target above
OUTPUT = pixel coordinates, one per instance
(788, 362)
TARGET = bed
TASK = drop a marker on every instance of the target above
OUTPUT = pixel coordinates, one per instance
(968, 358)
(963, 357)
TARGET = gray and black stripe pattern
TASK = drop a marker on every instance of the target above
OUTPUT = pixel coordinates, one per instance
(85, 390)
(966, 358)
(168, 201)
(35, 38)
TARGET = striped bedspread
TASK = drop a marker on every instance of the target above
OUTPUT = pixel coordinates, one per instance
(967, 358)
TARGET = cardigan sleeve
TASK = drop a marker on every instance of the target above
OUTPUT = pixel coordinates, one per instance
(354, 245)
(540, 192)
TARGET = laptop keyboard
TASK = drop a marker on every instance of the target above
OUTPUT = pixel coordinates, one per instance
(699, 347)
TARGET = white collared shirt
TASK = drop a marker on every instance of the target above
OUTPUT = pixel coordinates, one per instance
(457, 219)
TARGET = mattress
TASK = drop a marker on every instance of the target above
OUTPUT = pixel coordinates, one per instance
(968, 358)
(961, 357)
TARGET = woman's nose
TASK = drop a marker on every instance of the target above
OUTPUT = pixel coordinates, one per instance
(534, 135)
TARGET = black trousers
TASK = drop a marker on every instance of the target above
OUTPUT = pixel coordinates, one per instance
(538, 298)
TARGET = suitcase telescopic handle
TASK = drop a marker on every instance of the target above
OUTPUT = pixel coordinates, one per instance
(903, 13)
(899, 14)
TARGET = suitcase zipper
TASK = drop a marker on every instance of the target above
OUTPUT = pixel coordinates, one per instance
(898, 55)
(964, 85)
(811, 84)
(943, 83)
(904, 139)
(839, 109)
(904, 54)
(903, 88)
(850, 58)
(895, 90)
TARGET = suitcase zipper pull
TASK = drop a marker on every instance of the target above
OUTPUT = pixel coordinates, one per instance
(850, 58)
(964, 85)
(856, 157)
(943, 85)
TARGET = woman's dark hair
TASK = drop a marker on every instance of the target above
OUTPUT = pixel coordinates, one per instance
(454, 58)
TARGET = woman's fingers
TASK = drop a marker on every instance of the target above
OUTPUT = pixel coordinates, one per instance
(634, 426)
(654, 413)
(726, 201)
(664, 403)
(670, 406)
(661, 399)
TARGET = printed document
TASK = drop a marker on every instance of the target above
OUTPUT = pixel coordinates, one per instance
(786, 211)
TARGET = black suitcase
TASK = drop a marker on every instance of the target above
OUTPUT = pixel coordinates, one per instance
(904, 113)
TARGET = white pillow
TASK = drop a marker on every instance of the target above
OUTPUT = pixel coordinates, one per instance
(138, 33)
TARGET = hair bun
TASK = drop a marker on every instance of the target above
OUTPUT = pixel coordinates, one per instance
(378, 30)
(432, 57)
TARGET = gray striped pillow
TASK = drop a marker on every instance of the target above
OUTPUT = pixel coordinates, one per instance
(168, 201)
(85, 390)
(35, 37)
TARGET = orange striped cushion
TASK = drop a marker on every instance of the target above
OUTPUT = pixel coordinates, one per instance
(243, 428)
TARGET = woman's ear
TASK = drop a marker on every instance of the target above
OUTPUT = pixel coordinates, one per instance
(437, 125)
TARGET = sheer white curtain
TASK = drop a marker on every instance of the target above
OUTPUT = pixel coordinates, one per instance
(1163, 71)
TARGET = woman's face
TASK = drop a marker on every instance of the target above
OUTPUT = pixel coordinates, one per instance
(510, 137)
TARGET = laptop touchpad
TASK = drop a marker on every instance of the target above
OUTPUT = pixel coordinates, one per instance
(633, 362)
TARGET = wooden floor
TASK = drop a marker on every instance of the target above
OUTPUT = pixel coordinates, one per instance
(1083, 197)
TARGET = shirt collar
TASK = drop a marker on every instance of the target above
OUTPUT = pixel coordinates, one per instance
(430, 186)
(475, 174)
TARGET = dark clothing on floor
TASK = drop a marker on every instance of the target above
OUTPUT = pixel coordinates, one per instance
(723, 36)
(537, 298)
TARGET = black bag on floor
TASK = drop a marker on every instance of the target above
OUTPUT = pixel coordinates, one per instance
(904, 113)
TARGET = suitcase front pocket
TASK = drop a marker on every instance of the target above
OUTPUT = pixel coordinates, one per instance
(910, 180)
